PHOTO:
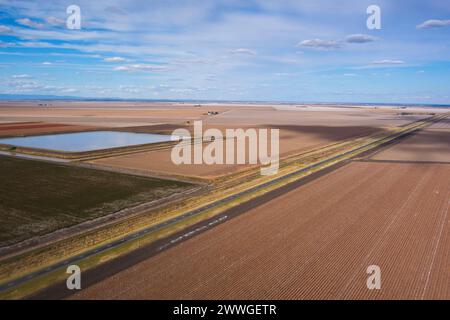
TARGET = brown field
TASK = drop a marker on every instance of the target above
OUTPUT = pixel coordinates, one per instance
(123, 114)
(429, 145)
(315, 116)
(443, 124)
(32, 128)
(293, 140)
(110, 117)
(313, 242)
(302, 128)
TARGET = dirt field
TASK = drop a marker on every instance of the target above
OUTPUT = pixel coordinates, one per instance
(302, 128)
(32, 128)
(429, 145)
(38, 197)
(127, 114)
(99, 114)
(443, 124)
(315, 116)
(293, 140)
(314, 242)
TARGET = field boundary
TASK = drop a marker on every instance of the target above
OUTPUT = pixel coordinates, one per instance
(40, 241)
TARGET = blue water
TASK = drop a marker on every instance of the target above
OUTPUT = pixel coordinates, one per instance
(86, 141)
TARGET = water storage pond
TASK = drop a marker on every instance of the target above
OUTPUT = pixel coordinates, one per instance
(85, 141)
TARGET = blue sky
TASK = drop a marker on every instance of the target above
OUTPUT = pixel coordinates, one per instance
(284, 50)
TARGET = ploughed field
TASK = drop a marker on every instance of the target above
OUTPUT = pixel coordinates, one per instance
(38, 197)
(293, 140)
(32, 128)
(429, 145)
(302, 128)
(314, 242)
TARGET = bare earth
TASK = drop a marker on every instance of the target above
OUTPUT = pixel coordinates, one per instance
(302, 128)
(125, 114)
(310, 243)
(293, 139)
(429, 145)
(314, 242)
(32, 128)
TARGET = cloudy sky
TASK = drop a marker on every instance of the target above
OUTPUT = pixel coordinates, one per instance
(284, 50)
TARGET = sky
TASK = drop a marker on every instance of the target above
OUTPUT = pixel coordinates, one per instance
(246, 50)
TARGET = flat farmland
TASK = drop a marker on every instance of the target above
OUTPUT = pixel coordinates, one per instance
(293, 140)
(429, 145)
(443, 124)
(128, 114)
(317, 116)
(314, 242)
(38, 197)
(33, 128)
(301, 130)
(106, 117)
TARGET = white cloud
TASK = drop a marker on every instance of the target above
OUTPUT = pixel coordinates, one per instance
(133, 89)
(23, 84)
(68, 90)
(6, 44)
(336, 44)
(29, 23)
(360, 38)
(5, 29)
(139, 67)
(388, 62)
(21, 76)
(319, 44)
(115, 59)
(242, 51)
(433, 23)
(46, 63)
(286, 74)
(54, 21)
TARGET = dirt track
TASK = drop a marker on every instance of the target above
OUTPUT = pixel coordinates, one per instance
(314, 242)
